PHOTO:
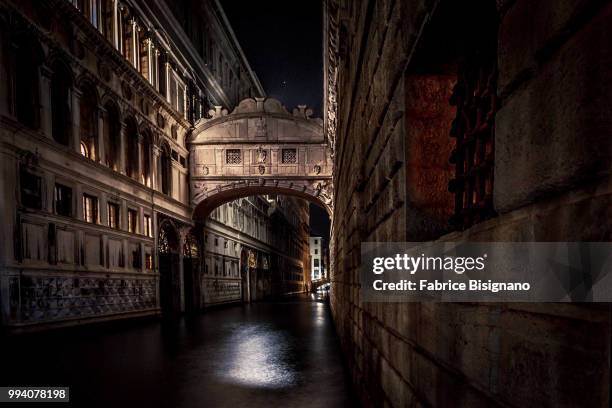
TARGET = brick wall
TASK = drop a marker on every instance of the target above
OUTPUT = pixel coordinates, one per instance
(396, 61)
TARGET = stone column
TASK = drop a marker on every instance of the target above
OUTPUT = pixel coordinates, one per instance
(76, 119)
(155, 168)
(114, 25)
(139, 169)
(103, 210)
(154, 157)
(78, 193)
(101, 153)
(46, 117)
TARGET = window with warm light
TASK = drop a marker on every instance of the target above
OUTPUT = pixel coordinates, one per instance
(148, 226)
(113, 215)
(90, 209)
(132, 221)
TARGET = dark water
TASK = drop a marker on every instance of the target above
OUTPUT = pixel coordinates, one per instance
(277, 354)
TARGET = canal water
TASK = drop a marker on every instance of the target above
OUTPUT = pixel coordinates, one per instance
(269, 354)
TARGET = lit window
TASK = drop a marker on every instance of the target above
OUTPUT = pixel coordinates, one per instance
(289, 156)
(90, 209)
(132, 221)
(113, 215)
(177, 93)
(84, 150)
(232, 156)
(149, 261)
(148, 226)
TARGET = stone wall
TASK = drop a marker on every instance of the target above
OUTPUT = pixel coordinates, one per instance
(393, 63)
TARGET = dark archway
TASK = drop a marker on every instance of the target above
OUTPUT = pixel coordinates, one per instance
(169, 269)
(61, 85)
(165, 170)
(24, 68)
(112, 135)
(131, 148)
(192, 261)
(234, 191)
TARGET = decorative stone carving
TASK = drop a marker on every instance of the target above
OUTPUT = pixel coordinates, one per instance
(262, 155)
(161, 121)
(294, 157)
(126, 90)
(144, 106)
(302, 111)
(260, 128)
(49, 298)
(104, 71)
(330, 69)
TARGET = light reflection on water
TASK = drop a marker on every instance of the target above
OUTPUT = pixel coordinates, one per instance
(261, 359)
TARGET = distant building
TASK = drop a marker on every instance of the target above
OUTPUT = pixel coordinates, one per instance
(318, 258)
(255, 247)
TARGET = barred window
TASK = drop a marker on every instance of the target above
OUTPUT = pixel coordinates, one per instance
(289, 156)
(232, 156)
(475, 96)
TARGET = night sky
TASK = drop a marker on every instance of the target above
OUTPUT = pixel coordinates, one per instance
(283, 42)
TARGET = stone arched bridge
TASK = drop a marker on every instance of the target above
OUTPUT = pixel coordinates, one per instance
(259, 148)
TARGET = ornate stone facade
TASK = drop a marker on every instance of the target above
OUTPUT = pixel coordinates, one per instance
(259, 148)
(95, 119)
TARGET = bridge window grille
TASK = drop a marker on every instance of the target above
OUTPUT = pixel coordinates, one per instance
(289, 156)
(232, 156)
(475, 96)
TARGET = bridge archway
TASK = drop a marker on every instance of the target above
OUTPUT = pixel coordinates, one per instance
(259, 148)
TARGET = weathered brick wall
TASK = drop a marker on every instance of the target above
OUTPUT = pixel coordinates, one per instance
(552, 165)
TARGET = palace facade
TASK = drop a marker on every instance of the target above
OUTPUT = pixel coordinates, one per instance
(99, 101)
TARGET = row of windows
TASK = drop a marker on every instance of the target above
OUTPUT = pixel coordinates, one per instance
(31, 197)
(226, 243)
(226, 269)
(24, 85)
(122, 28)
(234, 156)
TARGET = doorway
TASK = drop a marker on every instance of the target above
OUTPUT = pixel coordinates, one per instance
(169, 279)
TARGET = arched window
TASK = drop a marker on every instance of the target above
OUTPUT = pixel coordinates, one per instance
(88, 123)
(167, 240)
(165, 169)
(61, 82)
(131, 148)
(112, 135)
(145, 152)
(191, 247)
(25, 75)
